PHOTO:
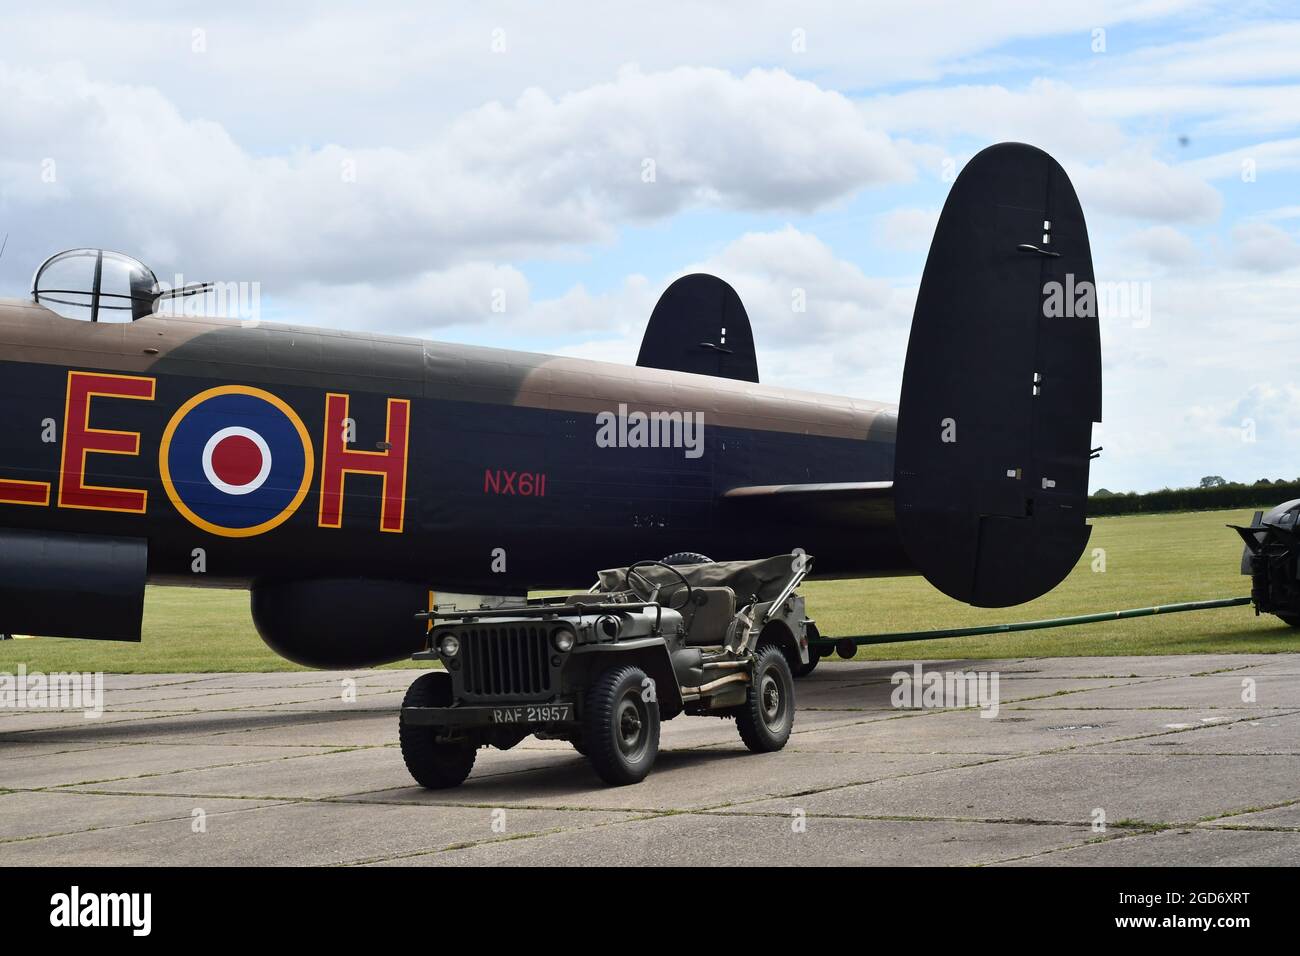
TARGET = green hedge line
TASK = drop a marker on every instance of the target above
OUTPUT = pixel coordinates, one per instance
(1195, 499)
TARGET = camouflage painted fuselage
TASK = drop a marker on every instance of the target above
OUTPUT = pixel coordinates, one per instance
(504, 485)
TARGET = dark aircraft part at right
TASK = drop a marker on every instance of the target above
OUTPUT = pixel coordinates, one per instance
(1272, 559)
(699, 325)
(1001, 386)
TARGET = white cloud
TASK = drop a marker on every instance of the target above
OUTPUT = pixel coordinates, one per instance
(762, 141)
(1139, 186)
(850, 339)
(500, 182)
(471, 293)
(1263, 247)
(1199, 109)
(1161, 246)
(1111, 171)
(388, 72)
(1176, 389)
(1248, 163)
(1266, 415)
(908, 230)
(1282, 212)
(1048, 114)
(1250, 53)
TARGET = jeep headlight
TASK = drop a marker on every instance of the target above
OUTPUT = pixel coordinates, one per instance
(563, 640)
(449, 645)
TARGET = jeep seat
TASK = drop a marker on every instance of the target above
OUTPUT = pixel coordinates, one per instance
(708, 615)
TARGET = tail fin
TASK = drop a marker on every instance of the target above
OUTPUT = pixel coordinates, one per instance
(1001, 386)
(699, 325)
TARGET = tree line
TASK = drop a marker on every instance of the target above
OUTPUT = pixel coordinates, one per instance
(1213, 493)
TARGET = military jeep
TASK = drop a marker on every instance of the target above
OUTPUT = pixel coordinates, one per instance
(601, 669)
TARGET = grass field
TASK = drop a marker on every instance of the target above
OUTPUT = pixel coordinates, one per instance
(1149, 559)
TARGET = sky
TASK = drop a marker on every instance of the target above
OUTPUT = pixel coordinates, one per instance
(533, 175)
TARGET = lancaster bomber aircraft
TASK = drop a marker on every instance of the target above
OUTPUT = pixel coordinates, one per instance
(343, 477)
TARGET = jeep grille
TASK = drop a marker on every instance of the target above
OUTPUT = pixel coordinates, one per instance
(506, 660)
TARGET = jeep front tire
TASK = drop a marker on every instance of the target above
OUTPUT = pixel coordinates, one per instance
(620, 732)
(434, 765)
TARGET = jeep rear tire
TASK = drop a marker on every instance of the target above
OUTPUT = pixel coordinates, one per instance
(767, 716)
(620, 732)
(434, 765)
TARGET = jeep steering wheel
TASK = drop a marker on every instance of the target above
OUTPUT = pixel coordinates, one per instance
(653, 589)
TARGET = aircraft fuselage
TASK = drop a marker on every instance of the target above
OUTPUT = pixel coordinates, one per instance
(245, 452)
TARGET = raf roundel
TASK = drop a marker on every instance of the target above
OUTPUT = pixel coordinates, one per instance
(236, 461)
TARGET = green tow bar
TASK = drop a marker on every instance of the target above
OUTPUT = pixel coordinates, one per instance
(846, 647)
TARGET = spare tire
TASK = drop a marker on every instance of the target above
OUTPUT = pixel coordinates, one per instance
(687, 557)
